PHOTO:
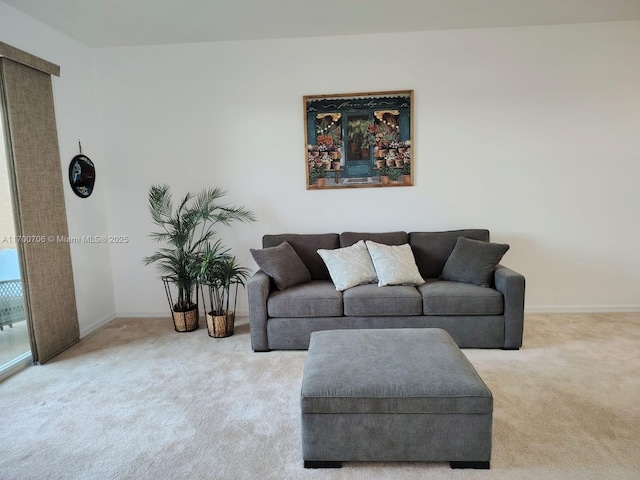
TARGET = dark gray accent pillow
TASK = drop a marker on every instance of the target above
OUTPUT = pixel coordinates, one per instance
(473, 261)
(283, 264)
(306, 246)
(432, 249)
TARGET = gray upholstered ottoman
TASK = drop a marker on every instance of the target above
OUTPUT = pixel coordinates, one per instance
(393, 395)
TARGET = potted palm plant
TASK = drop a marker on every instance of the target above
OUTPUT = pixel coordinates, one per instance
(219, 272)
(185, 230)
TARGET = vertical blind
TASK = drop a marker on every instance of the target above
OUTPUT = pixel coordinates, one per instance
(39, 206)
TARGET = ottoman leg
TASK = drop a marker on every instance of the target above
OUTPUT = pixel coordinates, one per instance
(481, 465)
(320, 464)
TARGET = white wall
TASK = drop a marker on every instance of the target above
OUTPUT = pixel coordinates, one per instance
(75, 103)
(530, 132)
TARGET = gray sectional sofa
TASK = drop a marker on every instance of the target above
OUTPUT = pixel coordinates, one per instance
(475, 316)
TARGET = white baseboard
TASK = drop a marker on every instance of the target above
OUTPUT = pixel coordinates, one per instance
(87, 330)
(582, 308)
(158, 314)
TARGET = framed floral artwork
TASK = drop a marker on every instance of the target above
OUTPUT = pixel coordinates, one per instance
(359, 140)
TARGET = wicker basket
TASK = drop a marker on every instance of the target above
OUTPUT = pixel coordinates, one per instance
(186, 321)
(183, 321)
(231, 316)
(220, 326)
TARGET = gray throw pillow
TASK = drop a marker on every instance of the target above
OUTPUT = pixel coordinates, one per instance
(473, 261)
(283, 264)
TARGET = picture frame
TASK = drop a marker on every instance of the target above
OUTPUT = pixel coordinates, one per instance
(356, 140)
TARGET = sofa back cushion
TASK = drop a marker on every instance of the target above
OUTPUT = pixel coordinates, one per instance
(432, 249)
(306, 246)
(387, 238)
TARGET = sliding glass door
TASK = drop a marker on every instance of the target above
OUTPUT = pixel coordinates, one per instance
(14, 335)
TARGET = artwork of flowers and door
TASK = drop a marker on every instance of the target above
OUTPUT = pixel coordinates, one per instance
(359, 140)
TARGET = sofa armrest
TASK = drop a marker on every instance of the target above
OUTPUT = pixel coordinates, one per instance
(511, 285)
(258, 288)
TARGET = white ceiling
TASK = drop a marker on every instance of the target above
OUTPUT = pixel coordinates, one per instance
(113, 23)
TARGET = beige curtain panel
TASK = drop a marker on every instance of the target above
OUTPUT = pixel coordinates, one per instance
(34, 165)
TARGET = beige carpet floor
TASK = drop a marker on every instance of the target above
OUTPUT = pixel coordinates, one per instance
(136, 400)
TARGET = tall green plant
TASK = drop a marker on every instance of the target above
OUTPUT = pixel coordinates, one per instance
(219, 271)
(185, 230)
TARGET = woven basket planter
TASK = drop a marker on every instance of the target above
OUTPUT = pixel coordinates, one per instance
(220, 326)
(183, 320)
(186, 321)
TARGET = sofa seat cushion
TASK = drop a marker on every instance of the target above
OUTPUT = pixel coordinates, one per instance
(318, 298)
(371, 300)
(442, 297)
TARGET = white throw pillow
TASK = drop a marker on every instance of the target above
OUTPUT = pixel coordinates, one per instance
(349, 266)
(394, 264)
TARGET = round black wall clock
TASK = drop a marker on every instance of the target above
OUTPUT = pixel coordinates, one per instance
(82, 175)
